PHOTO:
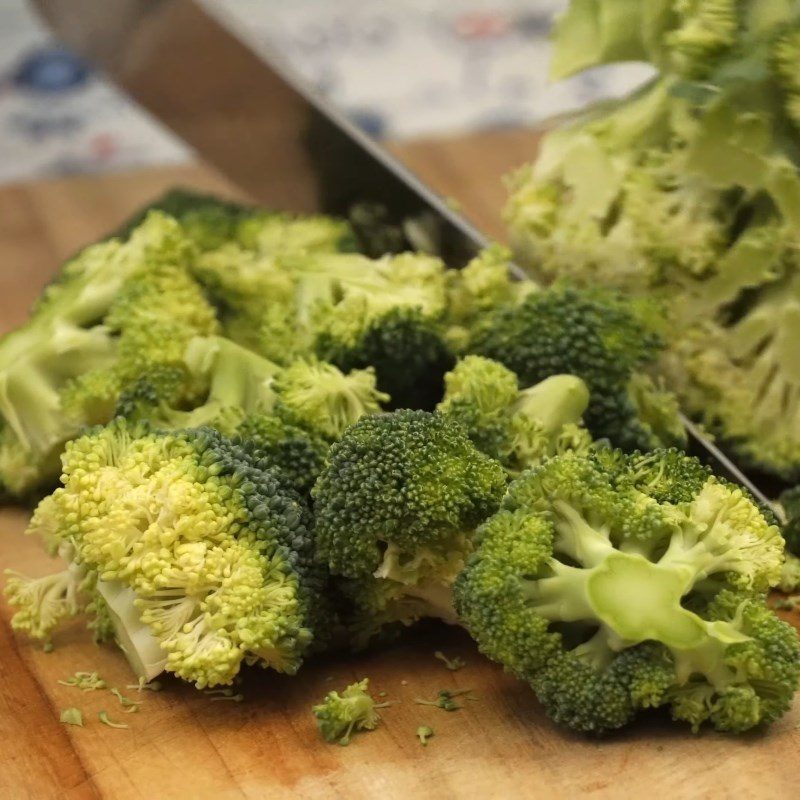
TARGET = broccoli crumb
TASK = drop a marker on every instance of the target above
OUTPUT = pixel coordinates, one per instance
(152, 686)
(103, 717)
(446, 700)
(339, 715)
(128, 704)
(47, 647)
(86, 681)
(453, 664)
(72, 716)
(424, 733)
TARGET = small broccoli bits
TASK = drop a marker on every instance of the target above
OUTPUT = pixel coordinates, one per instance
(340, 715)
(203, 556)
(598, 337)
(613, 583)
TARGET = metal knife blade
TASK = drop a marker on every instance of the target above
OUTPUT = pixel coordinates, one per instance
(293, 150)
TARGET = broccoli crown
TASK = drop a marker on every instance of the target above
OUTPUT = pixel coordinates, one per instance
(614, 582)
(390, 317)
(203, 555)
(208, 220)
(340, 715)
(594, 335)
(402, 492)
(321, 398)
(296, 452)
(117, 311)
(518, 428)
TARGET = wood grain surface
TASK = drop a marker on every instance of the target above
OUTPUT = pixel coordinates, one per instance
(183, 744)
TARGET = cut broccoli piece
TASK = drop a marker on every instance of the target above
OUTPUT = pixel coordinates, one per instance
(203, 556)
(117, 311)
(395, 509)
(615, 583)
(598, 337)
(519, 428)
(340, 715)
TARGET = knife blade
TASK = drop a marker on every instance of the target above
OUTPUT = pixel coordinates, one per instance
(293, 150)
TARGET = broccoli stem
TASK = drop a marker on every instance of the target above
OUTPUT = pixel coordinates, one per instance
(134, 638)
(438, 598)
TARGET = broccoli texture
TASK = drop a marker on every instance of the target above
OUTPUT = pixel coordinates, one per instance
(596, 336)
(116, 312)
(519, 428)
(202, 555)
(614, 583)
(340, 715)
(395, 509)
(688, 190)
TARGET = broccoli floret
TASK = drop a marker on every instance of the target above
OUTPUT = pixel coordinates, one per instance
(697, 202)
(116, 311)
(340, 715)
(324, 400)
(743, 380)
(389, 314)
(203, 556)
(614, 583)
(208, 220)
(297, 452)
(596, 336)
(395, 509)
(519, 428)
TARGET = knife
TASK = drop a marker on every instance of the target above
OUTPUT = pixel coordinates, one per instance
(293, 150)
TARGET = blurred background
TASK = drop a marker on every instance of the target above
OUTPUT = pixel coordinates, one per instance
(402, 70)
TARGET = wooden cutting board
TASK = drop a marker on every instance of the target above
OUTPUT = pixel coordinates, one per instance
(184, 745)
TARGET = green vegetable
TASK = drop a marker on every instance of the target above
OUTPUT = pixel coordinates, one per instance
(116, 311)
(202, 555)
(453, 664)
(86, 681)
(395, 508)
(599, 337)
(519, 428)
(688, 191)
(72, 716)
(103, 717)
(340, 715)
(615, 583)
(424, 733)
(446, 700)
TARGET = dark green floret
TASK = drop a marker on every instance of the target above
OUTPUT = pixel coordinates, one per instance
(395, 509)
(616, 583)
(596, 336)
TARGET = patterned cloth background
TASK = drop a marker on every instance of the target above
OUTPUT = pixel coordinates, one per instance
(401, 69)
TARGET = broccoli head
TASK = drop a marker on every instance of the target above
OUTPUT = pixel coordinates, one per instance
(518, 428)
(395, 509)
(602, 339)
(614, 583)
(116, 311)
(202, 555)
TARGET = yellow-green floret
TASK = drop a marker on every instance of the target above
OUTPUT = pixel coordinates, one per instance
(201, 553)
